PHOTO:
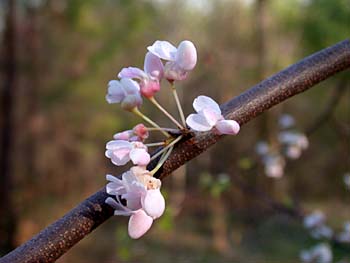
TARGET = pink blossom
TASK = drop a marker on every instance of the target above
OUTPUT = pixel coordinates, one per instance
(181, 60)
(149, 77)
(126, 92)
(144, 201)
(138, 133)
(120, 152)
(209, 116)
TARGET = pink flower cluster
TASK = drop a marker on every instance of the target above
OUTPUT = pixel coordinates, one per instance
(137, 193)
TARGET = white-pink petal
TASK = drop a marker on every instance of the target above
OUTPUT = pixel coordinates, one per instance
(140, 156)
(153, 66)
(163, 50)
(211, 116)
(204, 102)
(153, 203)
(115, 92)
(198, 122)
(131, 87)
(139, 224)
(230, 127)
(132, 72)
(186, 55)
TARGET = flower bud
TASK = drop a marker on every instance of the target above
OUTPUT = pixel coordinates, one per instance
(154, 203)
(186, 56)
(139, 224)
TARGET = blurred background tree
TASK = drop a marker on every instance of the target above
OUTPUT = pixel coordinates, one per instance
(64, 53)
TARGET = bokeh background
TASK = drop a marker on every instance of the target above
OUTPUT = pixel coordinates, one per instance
(57, 57)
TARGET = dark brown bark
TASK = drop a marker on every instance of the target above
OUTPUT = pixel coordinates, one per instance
(57, 238)
(8, 91)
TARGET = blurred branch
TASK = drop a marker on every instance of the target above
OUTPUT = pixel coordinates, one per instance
(57, 238)
(336, 95)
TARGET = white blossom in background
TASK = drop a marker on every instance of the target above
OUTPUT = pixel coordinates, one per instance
(316, 224)
(262, 148)
(286, 121)
(293, 142)
(274, 165)
(344, 236)
(322, 232)
(314, 219)
(320, 253)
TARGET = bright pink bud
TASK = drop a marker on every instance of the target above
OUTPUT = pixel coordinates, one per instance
(141, 131)
(149, 87)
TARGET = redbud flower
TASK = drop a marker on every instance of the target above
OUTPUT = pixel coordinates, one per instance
(138, 133)
(120, 152)
(181, 60)
(149, 77)
(209, 116)
(126, 92)
(144, 201)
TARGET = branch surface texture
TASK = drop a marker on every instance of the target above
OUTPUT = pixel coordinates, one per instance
(59, 237)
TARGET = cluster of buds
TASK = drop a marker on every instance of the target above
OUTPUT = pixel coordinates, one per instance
(137, 193)
(291, 144)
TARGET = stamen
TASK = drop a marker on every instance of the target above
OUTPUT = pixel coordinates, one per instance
(167, 147)
(155, 102)
(162, 160)
(155, 144)
(178, 104)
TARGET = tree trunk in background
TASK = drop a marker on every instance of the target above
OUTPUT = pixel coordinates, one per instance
(31, 119)
(7, 214)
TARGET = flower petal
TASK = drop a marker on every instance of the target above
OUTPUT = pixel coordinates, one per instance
(130, 86)
(186, 56)
(163, 50)
(227, 127)
(153, 66)
(139, 224)
(211, 116)
(153, 203)
(204, 102)
(115, 92)
(116, 144)
(132, 72)
(140, 156)
(198, 122)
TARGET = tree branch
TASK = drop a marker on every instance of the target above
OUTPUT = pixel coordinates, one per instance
(57, 238)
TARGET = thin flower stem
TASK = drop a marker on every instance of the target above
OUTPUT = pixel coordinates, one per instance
(167, 147)
(163, 129)
(140, 114)
(155, 102)
(162, 160)
(155, 144)
(178, 104)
